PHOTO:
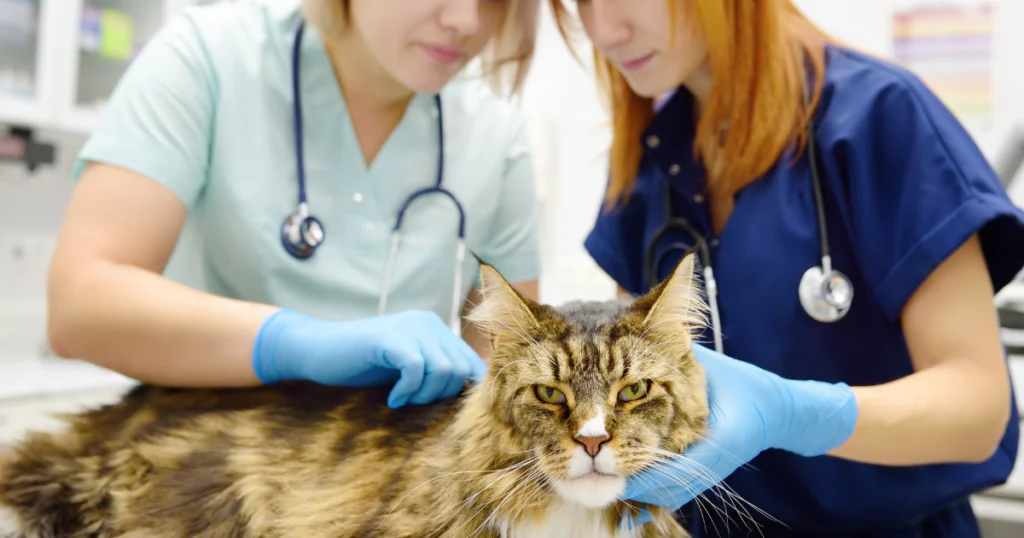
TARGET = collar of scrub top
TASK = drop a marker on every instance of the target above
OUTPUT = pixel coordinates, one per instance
(668, 143)
(668, 147)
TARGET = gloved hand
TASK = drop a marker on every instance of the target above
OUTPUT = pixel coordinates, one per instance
(751, 410)
(415, 351)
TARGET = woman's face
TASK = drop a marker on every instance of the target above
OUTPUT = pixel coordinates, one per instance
(638, 38)
(423, 43)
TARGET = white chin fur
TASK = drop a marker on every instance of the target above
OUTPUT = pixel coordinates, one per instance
(586, 487)
(593, 491)
(10, 523)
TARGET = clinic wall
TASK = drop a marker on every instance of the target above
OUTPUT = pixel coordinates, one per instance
(32, 207)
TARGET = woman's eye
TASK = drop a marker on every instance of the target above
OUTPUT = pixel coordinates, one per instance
(633, 392)
(549, 395)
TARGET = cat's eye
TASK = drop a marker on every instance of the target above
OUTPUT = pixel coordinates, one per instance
(633, 392)
(549, 395)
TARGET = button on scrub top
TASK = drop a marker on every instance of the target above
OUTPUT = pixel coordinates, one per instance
(904, 186)
(206, 110)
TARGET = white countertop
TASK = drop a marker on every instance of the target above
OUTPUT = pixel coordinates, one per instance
(25, 377)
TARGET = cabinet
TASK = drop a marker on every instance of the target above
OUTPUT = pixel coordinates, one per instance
(27, 68)
(61, 59)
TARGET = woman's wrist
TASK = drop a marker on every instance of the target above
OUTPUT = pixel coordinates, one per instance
(824, 416)
(272, 360)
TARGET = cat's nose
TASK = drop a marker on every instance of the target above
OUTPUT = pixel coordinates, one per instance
(592, 444)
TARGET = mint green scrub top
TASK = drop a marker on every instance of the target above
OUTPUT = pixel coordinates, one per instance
(206, 111)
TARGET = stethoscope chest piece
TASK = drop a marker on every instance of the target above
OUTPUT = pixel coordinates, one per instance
(825, 294)
(301, 234)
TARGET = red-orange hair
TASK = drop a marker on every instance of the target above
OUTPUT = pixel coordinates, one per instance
(763, 49)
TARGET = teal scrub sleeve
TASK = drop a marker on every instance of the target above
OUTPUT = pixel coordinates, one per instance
(513, 245)
(159, 118)
(918, 188)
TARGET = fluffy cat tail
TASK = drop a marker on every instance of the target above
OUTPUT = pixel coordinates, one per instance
(51, 487)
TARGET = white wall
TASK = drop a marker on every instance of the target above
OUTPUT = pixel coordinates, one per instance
(31, 210)
(570, 135)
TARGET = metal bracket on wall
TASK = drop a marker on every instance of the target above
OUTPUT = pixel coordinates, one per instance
(1007, 163)
(18, 145)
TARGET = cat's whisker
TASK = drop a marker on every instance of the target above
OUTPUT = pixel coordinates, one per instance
(642, 336)
(685, 484)
(743, 465)
(456, 511)
(524, 334)
(646, 360)
(511, 402)
(529, 480)
(702, 510)
(704, 506)
(648, 481)
(525, 479)
(709, 480)
(538, 490)
(530, 461)
(523, 404)
(498, 373)
(454, 473)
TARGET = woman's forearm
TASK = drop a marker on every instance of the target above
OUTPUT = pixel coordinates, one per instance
(953, 412)
(150, 328)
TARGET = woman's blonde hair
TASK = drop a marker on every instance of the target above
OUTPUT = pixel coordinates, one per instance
(505, 62)
(761, 54)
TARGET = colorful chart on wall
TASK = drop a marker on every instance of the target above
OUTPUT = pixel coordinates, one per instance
(950, 48)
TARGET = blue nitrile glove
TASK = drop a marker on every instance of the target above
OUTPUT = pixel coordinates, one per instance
(751, 410)
(414, 350)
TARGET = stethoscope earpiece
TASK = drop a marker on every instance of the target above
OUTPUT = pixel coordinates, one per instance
(826, 296)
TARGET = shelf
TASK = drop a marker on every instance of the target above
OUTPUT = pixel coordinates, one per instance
(21, 112)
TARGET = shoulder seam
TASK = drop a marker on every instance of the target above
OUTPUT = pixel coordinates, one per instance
(900, 79)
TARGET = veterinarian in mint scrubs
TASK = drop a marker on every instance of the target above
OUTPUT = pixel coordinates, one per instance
(239, 124)
(875, 405)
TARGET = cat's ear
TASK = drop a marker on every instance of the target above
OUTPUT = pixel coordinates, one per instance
(503, 312)
(674, 309)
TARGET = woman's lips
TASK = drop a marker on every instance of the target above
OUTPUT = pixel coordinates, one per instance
(446, 55)
(638, 63)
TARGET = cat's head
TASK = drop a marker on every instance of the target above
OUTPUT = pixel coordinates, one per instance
(596, 391)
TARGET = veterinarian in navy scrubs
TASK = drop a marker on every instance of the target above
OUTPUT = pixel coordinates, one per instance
(914, 218)
(284, 140)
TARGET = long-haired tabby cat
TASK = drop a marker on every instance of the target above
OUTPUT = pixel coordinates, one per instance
(577, 399)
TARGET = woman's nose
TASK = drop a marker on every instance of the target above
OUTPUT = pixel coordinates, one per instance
(462, 16)
(606, 22)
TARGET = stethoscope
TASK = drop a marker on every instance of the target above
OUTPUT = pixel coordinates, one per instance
(825, 293)
(302, 233)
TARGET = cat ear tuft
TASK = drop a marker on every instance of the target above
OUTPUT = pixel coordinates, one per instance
(674, 309)
(503, 312)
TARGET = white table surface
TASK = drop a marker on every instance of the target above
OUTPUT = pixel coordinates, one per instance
(24, 377)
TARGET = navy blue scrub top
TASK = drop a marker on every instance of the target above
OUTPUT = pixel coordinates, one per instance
(904, 186)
